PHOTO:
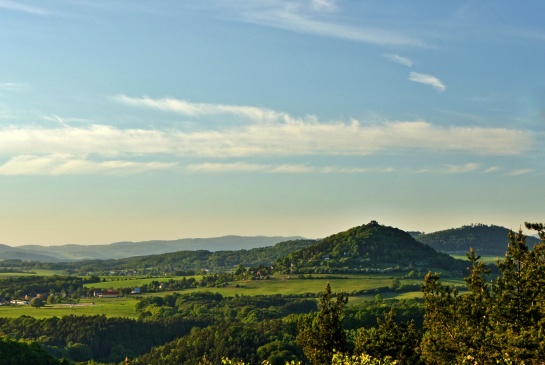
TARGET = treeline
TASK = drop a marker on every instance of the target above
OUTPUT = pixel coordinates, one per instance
(182, 261)
(17, 286)
(484, 239)
(15, 353)
(214, 306)
(82, 338)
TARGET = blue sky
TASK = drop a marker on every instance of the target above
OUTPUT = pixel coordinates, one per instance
(137, 120)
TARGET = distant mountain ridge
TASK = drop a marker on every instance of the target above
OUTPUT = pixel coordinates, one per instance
(126, 249)
(484, 239)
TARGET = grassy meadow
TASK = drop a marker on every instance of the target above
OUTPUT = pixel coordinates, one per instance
(118, 307)
(125, 307)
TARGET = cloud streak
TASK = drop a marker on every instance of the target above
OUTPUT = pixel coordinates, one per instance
(398, 59)
(427, 80)
(199, 109)
(66, 164)
(306, 17)
(17, 6)
(287, 136)
(271, 169)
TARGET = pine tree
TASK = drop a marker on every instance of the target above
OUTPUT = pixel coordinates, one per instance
(495, 322)
(322, 334)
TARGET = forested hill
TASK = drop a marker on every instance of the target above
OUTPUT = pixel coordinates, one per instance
(366, 248)
(485, 240)
(192, 260)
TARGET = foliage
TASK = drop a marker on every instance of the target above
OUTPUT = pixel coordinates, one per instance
(16, 353)
(18, 286)
(367, 313)
(235, 340)
(496, 320)
(338, 359)
(81, 338)
(484, 239)
(322, 334)
(390, 339)
(364, 359)
(367, 248)
(37, 302)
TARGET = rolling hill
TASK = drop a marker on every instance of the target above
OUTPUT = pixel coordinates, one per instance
(485, 240)
(129, 249)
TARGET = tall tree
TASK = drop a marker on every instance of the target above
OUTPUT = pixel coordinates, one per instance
(322, 334)
(390, 339)
(496, 321)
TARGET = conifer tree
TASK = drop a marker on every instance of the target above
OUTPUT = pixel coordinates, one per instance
(322, 334)
(495, 322)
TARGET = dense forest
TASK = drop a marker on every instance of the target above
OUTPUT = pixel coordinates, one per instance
(368, 248)
(485, 240)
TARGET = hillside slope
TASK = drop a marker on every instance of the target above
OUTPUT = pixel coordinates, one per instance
(485, 240)
(130, 249)
(191, 260)
(368, 247)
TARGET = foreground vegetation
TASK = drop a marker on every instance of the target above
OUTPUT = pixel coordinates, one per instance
(496, 318)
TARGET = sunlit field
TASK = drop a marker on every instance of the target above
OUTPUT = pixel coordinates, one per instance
(282, 284)
(118, 307)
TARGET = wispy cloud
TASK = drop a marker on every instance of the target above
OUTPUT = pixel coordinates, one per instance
(461, 169)
(198, 109)
(282, 135)
(272, 169)
(21, 7)
(491, 170)
(293, 137)
(57, 164)
(324, 5)
(305, 16)
(13, 86)
(427, 80)
(451, 169)
(520, 172)
(398, 59)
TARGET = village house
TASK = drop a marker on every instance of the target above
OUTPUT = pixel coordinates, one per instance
(110, 294)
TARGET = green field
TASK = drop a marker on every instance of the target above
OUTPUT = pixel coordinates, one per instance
(131, 282)
(119, 307)
(486, 259)
(38, 272)
(125, 307)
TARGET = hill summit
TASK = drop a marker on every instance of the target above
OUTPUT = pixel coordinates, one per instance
(484, 239)
(366, 248)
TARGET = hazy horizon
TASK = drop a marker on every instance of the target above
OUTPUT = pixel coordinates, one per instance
(135, 121)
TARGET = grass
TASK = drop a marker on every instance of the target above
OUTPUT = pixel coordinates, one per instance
(38, 272)
(118, 307)
(131, 282)
(125, 307)
(485, 259)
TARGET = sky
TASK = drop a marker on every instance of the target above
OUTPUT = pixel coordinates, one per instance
(135, 120)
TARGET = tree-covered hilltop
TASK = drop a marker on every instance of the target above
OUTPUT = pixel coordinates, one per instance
(485, 240)
(366, 248)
